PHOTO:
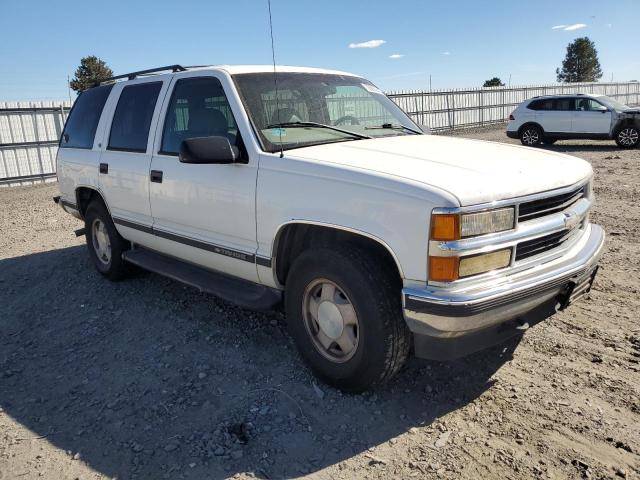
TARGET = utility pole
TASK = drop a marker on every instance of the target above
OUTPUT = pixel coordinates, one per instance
(69, 89)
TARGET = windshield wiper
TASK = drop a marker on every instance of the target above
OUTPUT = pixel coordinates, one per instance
(318, 125)
(390, 126)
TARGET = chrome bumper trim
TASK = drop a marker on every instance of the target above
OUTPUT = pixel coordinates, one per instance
(449, 312)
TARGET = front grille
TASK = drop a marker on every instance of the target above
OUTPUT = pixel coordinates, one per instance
(549, 205)
(529, 248)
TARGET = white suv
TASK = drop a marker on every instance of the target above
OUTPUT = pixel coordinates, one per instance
(310, 188)
(596, 117)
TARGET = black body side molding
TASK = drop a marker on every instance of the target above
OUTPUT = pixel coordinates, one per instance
(241, 292)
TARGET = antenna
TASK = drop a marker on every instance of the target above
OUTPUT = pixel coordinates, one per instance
(275, 77)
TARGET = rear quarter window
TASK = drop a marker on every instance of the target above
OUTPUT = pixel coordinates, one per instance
(80, 129)
(132, 118)
(542, 104)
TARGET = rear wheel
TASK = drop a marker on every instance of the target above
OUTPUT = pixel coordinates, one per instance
(628, 137)
(104, 242)
(531, 136)
(345, 315)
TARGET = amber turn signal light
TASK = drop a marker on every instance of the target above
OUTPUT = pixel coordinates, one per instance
(445, 227)
(443, 269)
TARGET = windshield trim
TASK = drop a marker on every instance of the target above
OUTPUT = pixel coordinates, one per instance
(278, 148)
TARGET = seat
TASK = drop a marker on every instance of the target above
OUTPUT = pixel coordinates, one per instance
(207, 122)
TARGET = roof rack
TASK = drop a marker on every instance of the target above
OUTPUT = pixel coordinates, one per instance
(132, 75)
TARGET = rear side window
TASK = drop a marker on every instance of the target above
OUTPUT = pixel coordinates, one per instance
(198, 108)
(80, 129)
(564, 104)
(132, 118)
(542, 104)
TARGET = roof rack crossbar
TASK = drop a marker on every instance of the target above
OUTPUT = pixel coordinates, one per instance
(132, 75)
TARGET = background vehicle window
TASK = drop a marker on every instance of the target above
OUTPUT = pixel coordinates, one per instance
(588, 105)
(544, 104)
(198, 108)
(80, 129)
(564, 104)
(132, 119)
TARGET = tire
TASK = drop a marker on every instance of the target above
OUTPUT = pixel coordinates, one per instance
(338, 285)
(105, 243)
(531, 136)
(628, 137)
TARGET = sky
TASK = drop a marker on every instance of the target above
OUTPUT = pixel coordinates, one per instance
(396, 45)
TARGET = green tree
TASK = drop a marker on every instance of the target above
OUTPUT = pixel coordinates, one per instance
(90, 71)
(581, 62)
(493, 82)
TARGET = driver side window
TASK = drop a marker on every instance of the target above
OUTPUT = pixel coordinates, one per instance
(588, 105)
(198, 108)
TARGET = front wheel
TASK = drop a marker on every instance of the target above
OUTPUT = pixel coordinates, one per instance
(345, 315)
(628, 137)
(531, 136)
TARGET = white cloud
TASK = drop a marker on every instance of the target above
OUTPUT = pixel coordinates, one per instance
(369, 44)
(396, 55)
(558, 27)
(575, 26)
(446, 53)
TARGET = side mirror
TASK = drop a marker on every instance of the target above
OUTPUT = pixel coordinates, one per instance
(205, 150)
(602, 109)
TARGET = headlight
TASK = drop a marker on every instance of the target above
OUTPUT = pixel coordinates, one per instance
(456, 226)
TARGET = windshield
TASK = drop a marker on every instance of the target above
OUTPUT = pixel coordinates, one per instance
(613, 103)
(315, 108)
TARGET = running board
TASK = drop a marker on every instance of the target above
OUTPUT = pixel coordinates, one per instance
(241, 292)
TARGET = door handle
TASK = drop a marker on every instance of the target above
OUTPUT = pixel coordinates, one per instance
(104, 168)
(156, 176)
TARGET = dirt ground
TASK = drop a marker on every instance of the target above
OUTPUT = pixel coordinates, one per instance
(149, 379)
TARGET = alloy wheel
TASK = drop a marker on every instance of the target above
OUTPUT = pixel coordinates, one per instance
(628, 137)
(331, 320)
(530, 136)
(101, 241)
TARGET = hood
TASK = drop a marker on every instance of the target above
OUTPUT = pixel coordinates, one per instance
(474, 171)
(632, 111)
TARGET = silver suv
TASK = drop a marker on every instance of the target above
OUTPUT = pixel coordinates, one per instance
(594, 117)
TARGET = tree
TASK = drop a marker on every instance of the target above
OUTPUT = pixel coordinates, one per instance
(581, 62)
(494, 82)
(91, 70)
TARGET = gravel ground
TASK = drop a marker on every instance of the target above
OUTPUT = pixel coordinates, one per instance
(149, 379)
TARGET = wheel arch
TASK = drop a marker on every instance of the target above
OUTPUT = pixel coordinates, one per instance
(530, 124)
(85, 194)
(294, 237)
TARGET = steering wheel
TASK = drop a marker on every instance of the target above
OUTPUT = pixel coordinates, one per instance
(342, 120)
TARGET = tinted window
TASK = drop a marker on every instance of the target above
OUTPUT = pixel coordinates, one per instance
(132, 119)
(198, 108)
(542, 104)
(564, 104)
(80, 129)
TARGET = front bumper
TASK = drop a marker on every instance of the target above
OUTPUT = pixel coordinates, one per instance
(450, 323)
(511, 134)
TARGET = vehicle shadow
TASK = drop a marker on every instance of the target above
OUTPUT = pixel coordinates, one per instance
(604, 147)
(146, 378)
